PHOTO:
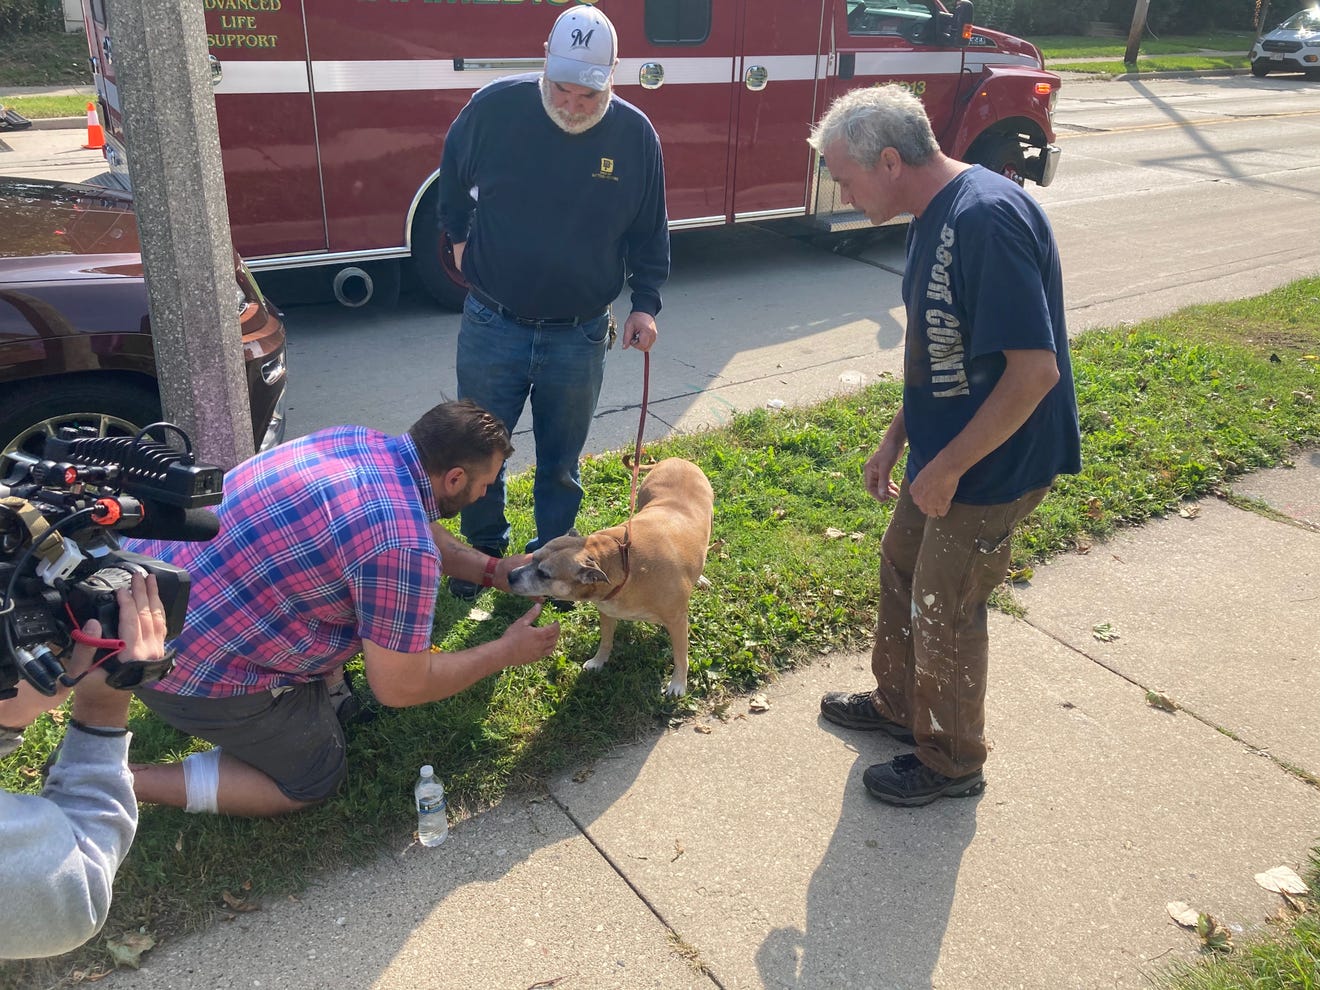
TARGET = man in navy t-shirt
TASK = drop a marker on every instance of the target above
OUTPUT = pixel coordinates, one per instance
(989, 419)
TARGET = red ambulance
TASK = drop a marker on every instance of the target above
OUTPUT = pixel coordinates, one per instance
(332, 113)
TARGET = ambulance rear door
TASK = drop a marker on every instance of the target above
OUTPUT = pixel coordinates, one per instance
(777, 85)
(268, 139)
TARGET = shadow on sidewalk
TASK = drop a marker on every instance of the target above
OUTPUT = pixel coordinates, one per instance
(879, 903)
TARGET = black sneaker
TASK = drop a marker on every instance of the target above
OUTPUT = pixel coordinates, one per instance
(908, 782)
(855, 711)
(350, 707)
(467, 591)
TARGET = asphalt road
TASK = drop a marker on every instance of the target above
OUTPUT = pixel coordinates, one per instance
(1169, 192)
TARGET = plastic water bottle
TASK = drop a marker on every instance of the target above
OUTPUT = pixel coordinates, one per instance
(432, 820)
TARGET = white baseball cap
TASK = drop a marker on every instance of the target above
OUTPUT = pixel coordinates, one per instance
(582, 48)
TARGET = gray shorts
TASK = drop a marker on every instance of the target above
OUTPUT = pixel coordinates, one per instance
(293, 737)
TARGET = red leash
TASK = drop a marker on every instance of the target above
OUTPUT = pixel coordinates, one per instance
(626, 542)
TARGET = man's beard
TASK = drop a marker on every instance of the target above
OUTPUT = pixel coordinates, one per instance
(452, 505)
(571, 123)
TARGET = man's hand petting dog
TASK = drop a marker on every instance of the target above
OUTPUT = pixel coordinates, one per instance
(525, 643)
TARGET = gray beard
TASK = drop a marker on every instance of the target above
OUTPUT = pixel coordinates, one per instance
(570, 124)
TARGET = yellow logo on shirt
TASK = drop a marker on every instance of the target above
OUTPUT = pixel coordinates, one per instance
(606, 170)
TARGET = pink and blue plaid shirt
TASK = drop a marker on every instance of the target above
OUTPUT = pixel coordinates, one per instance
(324, 542)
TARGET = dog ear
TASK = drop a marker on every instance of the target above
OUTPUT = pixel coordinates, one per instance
(590, 573)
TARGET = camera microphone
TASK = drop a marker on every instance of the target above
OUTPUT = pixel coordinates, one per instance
(175, 524)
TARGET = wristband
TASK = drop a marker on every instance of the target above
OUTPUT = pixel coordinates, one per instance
(488, 578)
(98, 730)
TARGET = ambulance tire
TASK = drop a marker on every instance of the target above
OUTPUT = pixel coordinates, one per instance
(1000, 153)
(433, 260)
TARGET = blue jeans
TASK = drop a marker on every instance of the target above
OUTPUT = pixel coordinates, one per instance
(501, 363)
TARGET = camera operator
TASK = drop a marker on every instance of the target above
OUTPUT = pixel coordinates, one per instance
(59, 850)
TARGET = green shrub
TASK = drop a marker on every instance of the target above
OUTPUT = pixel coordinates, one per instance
(27, 16)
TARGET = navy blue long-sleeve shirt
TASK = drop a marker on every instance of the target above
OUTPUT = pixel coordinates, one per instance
(559, 219)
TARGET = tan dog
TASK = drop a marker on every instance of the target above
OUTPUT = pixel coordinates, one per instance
(652, 580)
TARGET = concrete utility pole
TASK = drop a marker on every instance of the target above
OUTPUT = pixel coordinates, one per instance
(179, 193)
(1134, 33)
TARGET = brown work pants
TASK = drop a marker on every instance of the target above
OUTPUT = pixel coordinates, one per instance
(931, 646)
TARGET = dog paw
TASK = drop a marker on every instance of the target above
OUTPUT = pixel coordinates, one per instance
(595, 663)
(676, 688)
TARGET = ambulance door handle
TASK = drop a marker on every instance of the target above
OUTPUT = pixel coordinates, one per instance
(651, 75)
(756, 77)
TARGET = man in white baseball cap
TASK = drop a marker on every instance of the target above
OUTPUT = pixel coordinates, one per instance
(571, 186)
(583, 49)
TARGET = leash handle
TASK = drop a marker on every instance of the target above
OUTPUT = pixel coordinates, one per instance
(641, 428)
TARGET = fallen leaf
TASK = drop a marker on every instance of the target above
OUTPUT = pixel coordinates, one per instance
(857, 537)
(834, 534)
(1182, 913)
(478, 614)
(759, 703)
(705, 730)
(1189, 511)
(1160, 700)
(1022, 574)
(127, 949)
(1213, 933)
(583, 774)
(1105, 632)
(1282, 880)
(1296, 903)
(178, 843)
(1095, 508)
(237, 903)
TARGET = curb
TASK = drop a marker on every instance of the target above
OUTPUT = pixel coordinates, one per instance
(57, 123)
(1082, 76)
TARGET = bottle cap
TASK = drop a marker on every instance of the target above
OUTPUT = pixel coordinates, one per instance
(428, 770)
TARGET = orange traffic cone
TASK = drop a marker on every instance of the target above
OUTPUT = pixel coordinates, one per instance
(95, 133)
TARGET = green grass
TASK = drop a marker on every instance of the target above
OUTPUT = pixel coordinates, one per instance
(39, 107)
(1285, 956)
(1163, 63)
(1065, 47)
(46, 59)
(1171, 409)
(1182, 54)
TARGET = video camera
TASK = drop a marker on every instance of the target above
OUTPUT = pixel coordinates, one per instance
(60, 561)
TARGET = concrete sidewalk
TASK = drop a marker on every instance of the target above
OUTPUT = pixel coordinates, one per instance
(745, 853)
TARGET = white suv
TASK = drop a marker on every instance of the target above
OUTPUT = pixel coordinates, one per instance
(1293, 46)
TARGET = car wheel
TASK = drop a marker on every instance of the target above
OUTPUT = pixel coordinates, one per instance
(1259, 69)
(31, 413)
(433, 258)
(1000, 153)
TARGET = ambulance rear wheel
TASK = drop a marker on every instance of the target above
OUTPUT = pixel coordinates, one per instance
(433, 259)
(1000, 153)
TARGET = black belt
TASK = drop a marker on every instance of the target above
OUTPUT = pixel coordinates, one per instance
(549, 321)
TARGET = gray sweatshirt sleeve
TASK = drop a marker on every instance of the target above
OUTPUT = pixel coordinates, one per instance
(59, 852)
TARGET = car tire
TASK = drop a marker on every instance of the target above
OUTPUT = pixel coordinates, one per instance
(433, 258)
(1260, 70)
(115, 406)
(1000, 153)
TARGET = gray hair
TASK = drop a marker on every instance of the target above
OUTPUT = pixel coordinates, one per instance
(870, 119)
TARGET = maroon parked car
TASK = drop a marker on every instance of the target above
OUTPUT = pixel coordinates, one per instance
(75, 335)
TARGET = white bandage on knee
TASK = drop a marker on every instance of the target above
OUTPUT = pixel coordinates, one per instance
(201, 777)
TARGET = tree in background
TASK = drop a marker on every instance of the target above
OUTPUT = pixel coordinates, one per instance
(1037, 17)
(29, 16)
